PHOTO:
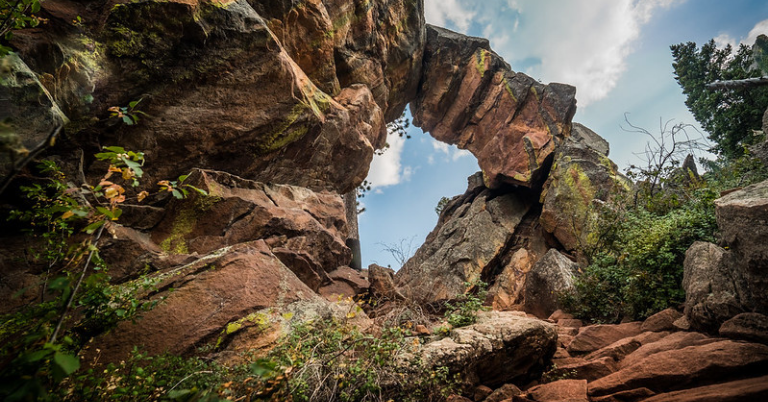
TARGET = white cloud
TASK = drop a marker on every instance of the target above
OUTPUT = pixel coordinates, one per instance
(725, 39)
(440, 12)
(387, 169)
(760, 28)
(460, 153)
(584, 43)
(442, 147)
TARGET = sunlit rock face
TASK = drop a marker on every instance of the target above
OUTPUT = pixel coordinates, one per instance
(471, 98)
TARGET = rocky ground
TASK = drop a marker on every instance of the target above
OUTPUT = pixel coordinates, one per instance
(659, 359)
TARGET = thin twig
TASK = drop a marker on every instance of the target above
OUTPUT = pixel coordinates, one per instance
(187, 377)
(77, 286)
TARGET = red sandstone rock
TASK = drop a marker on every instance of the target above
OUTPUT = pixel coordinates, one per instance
(570, 323)
(594, 337)
(468, 96)
(674, 341)
(505, 392)
(753, 389)
(213, 300)
(481, 393)
(563, 390)
(682, 368)
(747, 326)
(661, 321)
(623, 347)
(306, 230)
(560, 315)
(632, 395)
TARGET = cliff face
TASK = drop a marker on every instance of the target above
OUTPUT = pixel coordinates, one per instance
(277, 107)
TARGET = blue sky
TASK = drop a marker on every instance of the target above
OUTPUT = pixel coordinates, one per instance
(616, 53)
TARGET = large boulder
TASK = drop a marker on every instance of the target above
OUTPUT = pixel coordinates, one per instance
(752, 389)
(30, 110)
(548, 279)
(751, 327)
(715, 289)
(522, 346)
(682, 368)
(467, 244)
(221, 295)
(471, 98)
(742, 217)
(581, 178)
(304, 229)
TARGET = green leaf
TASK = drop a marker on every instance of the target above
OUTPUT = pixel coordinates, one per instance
(134, 103)
(176, 193)
(134, 166)
(35, 7)
(128, 120)
(93, 226)
(117, 150)
(64, 364)
(59, 283)
(104, 156)
(36, 355)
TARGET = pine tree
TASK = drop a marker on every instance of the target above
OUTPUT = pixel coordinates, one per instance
(728, 116)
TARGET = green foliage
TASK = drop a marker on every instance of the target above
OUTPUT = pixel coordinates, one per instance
(728, 116)
(463, 311)
(151, 378)
(129, 115)
(639, 244)
(39, 344)
(441, 205)
(16, 14)
(332, 359)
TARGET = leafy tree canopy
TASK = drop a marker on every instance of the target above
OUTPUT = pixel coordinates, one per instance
(728, 116)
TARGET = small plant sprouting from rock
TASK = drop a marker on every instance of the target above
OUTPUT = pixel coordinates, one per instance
(463, 311)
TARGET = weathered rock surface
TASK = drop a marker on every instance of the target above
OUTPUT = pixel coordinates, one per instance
(547, 280)
(214, 297)
(234, 88)
(304, 229)
(682, 368)
(751, 327)
(580, 179)
(563, 390)
(594, 337)
(715, 290)
(742, 217)
(471, 98)
(583, 135)
(471, 235)
(753, 389)
(499, 339)
(29, 108)
(383, 283)
(661, 321)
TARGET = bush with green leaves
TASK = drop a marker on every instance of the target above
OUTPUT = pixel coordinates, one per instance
(14, 15)
(463, 310)
(39, 344)
(638, 245)
(332, 359)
